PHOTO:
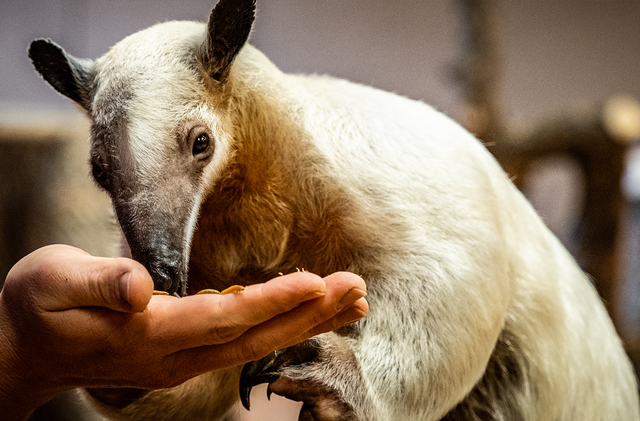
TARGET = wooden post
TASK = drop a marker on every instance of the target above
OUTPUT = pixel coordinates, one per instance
(587, 142)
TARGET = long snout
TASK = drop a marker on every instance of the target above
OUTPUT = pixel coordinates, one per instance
(157, 215)
(158, 242)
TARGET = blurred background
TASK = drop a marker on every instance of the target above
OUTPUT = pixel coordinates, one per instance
(551, 87)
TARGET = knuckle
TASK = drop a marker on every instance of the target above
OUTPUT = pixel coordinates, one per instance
(250, 351)
(223, 334)
(318, 317)
(223, 329)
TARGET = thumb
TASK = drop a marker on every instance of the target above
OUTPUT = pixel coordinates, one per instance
(71, 278)
(135, 288)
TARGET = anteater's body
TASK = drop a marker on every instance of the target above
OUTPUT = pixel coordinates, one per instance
(224, 168)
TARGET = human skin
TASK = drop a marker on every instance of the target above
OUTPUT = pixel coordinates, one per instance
(69, 319)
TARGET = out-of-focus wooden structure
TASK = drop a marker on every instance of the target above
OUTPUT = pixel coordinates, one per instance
(46, 197)
(597, 143)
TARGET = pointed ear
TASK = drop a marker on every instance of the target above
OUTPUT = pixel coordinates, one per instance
(228, 30)
(70, 76)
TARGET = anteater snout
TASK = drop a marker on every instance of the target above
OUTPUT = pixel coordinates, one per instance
(168, 275)
(166, 267)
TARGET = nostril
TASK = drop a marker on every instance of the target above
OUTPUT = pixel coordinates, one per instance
(163, 260)
(162, 280)
(166, 275)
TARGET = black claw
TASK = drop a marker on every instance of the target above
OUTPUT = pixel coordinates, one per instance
(257, 372)
(269, 392)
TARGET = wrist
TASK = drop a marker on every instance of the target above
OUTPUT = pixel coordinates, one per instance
(20, 395)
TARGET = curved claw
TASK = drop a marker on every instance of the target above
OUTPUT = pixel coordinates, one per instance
(257, 372)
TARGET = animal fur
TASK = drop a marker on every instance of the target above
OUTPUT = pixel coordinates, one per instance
(476, 310)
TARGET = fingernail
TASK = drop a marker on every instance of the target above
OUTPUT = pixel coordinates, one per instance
(350, 315)
(313, 295)
(125, 284)
(351, 297)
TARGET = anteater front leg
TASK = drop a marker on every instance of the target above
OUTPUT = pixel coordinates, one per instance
(321, 372)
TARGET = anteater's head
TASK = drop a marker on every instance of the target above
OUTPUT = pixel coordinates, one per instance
(158, 104)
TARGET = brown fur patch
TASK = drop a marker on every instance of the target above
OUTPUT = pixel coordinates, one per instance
(321, 240)
(250, 228)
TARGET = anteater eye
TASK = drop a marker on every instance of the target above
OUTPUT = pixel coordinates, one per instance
(98, 172)
(201, 144)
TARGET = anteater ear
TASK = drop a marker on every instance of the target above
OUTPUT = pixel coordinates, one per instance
(70, 76)
(228, 30)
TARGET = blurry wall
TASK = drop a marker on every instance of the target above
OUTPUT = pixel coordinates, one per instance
(566, 55)
(399, 46)
(553, 54)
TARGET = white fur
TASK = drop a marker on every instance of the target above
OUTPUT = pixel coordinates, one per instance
(452, 253)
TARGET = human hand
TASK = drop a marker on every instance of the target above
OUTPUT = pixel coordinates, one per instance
(69, 319)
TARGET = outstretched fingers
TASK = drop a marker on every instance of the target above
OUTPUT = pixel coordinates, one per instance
(211, 319)
(349, 315)
(343, 297)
